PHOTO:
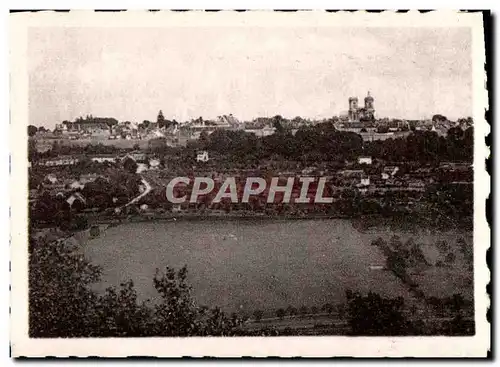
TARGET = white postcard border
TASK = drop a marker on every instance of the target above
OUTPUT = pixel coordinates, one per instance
(22, 345)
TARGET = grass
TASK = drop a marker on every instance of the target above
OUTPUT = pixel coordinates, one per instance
(243, 265)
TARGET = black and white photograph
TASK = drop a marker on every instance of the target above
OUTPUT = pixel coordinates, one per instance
(194, 180)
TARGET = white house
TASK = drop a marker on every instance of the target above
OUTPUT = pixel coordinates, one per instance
(391, 170)
(65, 161)
(76, 185)
(154, 163)
(136, 156)
(202, 156)
(50, 178)
(308, 170)
(365, 160)
(104, 158)
(141, 167)
(76, 197)
(264, 131)
(88, 177)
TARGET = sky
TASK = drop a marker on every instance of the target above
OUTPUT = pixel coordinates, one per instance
(188, 72)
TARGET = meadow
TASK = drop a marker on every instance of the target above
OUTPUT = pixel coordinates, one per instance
(268, 264)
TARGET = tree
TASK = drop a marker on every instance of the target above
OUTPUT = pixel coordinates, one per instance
(442, 246)
(94, 231)
(439, 118)
(303, 310)
(466, 249)
(157, 145)
(415, 254)
(278, 124)
(178, 315)
(32, 151)
(175, 315)
(455, 134)
(60, 300)
(450, 258)
(375, 315)
(328, 308)
(160, 119)
(382, 129)
(130, 165)
(291, 311)
(63, 304)
(109, 121)
(32, 130)
(80, 223)
(204, 139)
(119, 314)
(257, 314)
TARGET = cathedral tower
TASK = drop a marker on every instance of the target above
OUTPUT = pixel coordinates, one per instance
(368, 110)
(353, 109)
(369, 103)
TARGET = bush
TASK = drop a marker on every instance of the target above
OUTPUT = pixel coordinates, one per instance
(375, 315)
(95, 231)
(258, 315)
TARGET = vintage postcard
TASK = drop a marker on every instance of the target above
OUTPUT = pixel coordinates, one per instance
(255, 183)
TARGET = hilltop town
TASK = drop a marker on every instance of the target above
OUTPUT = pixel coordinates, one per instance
(99, 169)
(110, 131)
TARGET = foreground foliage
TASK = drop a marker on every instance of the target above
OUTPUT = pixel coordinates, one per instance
(63, 304)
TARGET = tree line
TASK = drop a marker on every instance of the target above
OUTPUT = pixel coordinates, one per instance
(310, 144)
(324, 143)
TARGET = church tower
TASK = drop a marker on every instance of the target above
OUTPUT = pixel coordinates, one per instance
(369, 103)
(353, 109)
(369, 110)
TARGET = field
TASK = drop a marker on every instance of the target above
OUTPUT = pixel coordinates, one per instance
(243, 266)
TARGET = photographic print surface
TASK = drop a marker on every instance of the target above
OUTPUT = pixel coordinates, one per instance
(290, 183)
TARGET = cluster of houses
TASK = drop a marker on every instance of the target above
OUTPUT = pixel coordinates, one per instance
(99, 158)
(194, 128)
(143, 160)
(59, 186)
(70, 188)
(175, 133)
(370, 178)
(64, 187)
(387, 178)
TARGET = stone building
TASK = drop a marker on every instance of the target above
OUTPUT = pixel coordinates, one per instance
(356, 113)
